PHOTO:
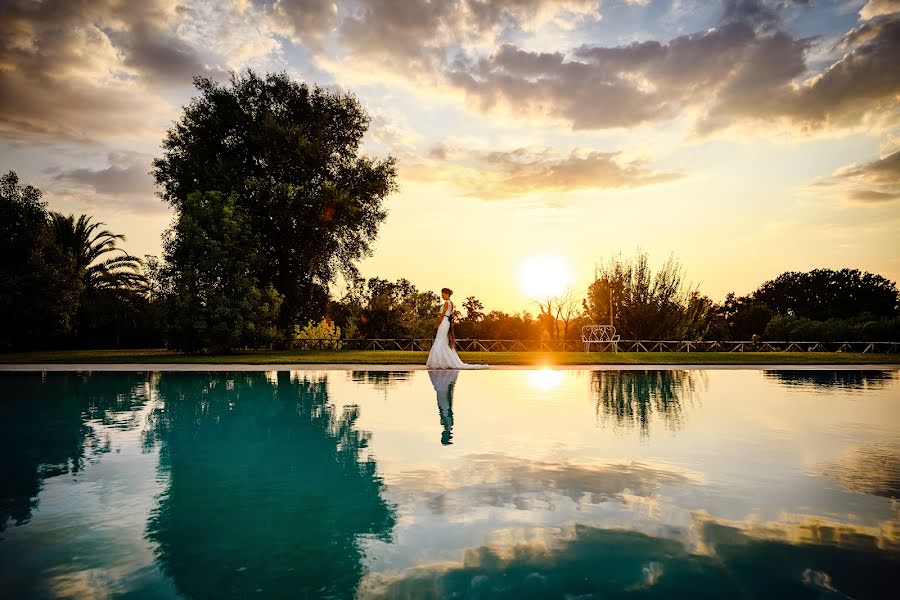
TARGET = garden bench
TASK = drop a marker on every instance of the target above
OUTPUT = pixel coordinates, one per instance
(599, 334)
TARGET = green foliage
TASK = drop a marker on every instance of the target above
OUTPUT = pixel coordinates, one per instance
(379, 308)
(323, 330)
(647, 305)
(40, 285)
(211, 298)
(290, 153)
(858, 329)
(499, 325)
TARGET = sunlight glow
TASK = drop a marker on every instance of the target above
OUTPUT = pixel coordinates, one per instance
(544, 275)
(545, 379)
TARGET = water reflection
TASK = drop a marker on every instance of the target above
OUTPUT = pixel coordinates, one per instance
(269, 489)
(869, 469)
(444, 382)
(630, 399)
(583, 561)
(844, 379)
(498, 480)
(546, 379)
(380, 380)
(47, 428)
(265, 484)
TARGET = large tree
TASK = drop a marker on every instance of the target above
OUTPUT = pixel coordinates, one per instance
(291, 154)
(207, 283)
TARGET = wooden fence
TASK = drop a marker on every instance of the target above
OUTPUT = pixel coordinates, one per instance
(476, 345)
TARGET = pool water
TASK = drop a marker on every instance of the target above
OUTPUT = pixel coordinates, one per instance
(426, 484)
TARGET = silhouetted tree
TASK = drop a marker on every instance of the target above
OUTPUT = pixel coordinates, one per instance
(100, 262)
(113, 306)
(823, 294)
(40, 284)
(474, 310)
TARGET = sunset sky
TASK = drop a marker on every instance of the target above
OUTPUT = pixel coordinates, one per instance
(747, 137)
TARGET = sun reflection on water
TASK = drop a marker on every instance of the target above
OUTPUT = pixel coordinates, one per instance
(546, 378)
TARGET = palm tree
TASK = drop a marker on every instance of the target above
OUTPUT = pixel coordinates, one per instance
(102, 264)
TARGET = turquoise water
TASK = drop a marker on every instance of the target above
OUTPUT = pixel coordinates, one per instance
(492, 484)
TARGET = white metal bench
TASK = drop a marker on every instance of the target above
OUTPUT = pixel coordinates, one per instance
(599, 334)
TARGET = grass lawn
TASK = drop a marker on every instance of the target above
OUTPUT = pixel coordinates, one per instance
(388, 357)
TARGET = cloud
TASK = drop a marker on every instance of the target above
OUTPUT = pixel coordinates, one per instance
(511, 173)
(409, 36)
(745, 71)
(161, 56)
(85, 71)
(871, 182)
(604, 87)
(307, 20)
(731, 75)
(127, 173)
(875, 8)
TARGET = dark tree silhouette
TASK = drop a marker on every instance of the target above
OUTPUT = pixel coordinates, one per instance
(40, 285)
(823, 294)
(100, 262)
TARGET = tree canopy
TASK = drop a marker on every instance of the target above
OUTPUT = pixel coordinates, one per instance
(826, 293)
(291, 155)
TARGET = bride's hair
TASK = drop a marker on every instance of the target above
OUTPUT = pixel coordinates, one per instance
(447, 291)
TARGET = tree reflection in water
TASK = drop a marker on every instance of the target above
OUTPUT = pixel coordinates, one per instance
(593, 562)
(843, 379)
(381, 380)
(268, 492)
(630, 399)
(48, 427)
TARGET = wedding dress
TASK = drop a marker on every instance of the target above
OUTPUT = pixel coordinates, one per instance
(442, 356)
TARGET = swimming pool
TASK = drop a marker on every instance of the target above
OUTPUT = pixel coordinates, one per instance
(491, 484)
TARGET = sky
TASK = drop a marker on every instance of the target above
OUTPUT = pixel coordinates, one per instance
(746, 137)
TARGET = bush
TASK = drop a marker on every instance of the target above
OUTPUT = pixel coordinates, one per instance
(323, 330)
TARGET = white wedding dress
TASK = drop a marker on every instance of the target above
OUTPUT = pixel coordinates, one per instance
(442, 356)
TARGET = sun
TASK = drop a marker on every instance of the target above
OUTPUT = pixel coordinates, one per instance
(544, 275)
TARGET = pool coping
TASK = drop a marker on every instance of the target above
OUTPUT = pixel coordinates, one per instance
(413, 367)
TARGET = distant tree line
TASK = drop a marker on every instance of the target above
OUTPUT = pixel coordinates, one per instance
(67, 283)
(273, 200)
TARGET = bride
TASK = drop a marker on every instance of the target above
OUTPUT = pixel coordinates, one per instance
(443, 355)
